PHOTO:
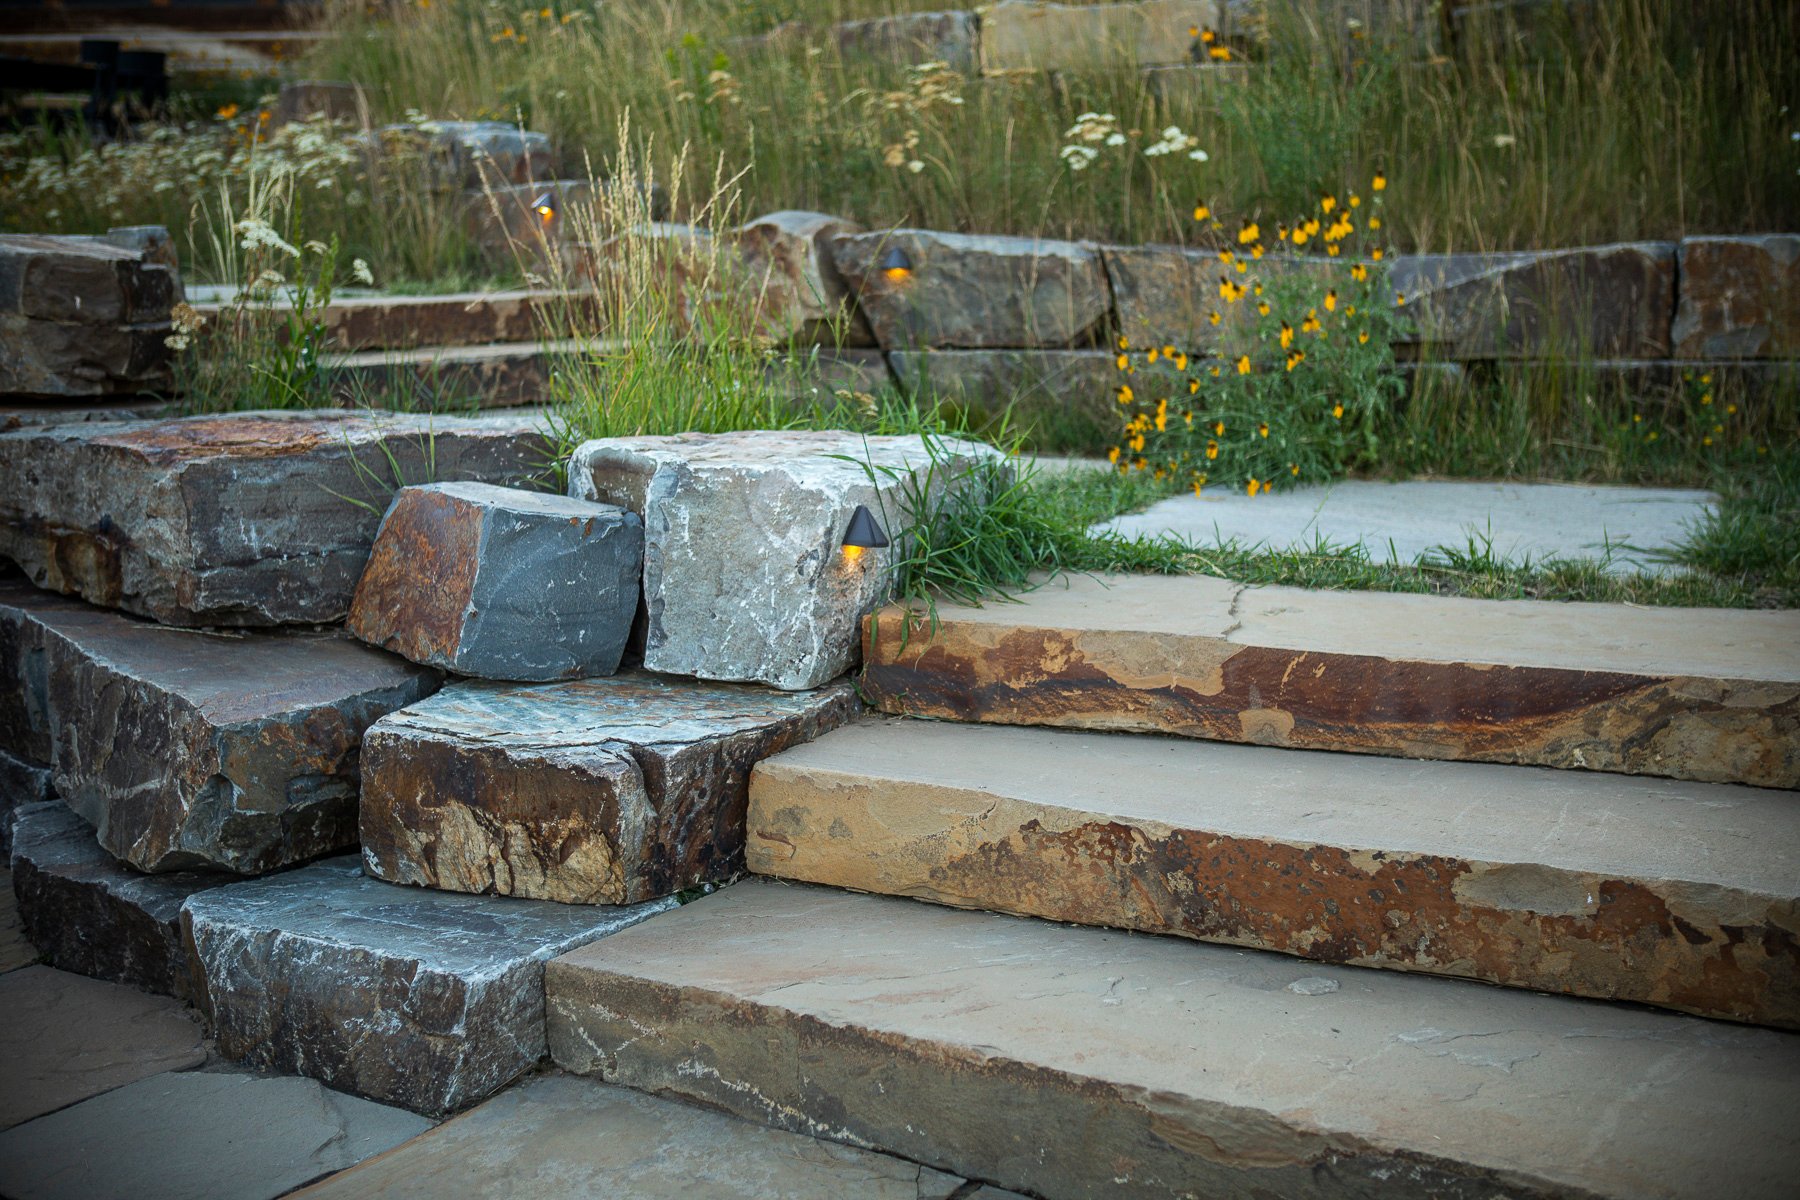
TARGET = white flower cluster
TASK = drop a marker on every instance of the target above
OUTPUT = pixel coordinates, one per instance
(1174, 141)
(1090, 132)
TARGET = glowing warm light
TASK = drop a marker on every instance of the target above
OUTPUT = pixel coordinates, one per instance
(896, 265)
(545, 207)
(852, 553)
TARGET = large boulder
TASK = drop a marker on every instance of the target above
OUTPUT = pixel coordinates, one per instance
(600, 791)
(912, 39)
(85, 316)
(1740, 297)
(786, 258)
(188, 749)
(248, 519)
(431, 1000)
(1024, 35)
(501, 583)
(919, 288)
(1590, 302)
(88, 913)
(745, 573)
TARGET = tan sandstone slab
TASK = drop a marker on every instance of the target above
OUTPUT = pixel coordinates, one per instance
(558, 1136)
(1703, 694)
(65, 1037)
(1685, 895)
(1071, 1062)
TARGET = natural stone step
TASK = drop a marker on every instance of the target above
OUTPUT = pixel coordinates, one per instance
(746, 577)
(556, 1136)
(258, 518)
(1704, 694)
(1685, 895)
(595, 791)
(189, 749)
(1070, 1062)
(448, 378)
(430, 1000)
(22, 782)
(360, 323)
(501, 583)
(88, 913)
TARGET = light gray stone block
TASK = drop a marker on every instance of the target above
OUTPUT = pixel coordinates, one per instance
(430, 1000)
(501, 583)
(745, 575)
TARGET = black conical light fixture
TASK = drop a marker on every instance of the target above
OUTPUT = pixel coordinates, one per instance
(545, 207)
(864, 533)
(896, 264)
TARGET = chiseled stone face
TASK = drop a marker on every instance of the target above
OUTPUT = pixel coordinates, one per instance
(1337, 858)
(188, 749)
(500, 583)
(246, 519)
(430, 1000)
(975, 291)
(1740, 297)
(88, 913)
(745, 573)
(599, 791)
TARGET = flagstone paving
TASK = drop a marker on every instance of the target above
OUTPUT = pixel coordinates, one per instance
(1404, 521)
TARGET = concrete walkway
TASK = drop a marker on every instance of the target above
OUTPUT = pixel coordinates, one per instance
(1402, 522)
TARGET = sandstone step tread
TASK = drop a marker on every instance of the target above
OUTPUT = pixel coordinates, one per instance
(1711, 694)
(1674, 893)
(1153, 1067)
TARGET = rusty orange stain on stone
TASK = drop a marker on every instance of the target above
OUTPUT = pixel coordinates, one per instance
(240, 437)
(414, 593)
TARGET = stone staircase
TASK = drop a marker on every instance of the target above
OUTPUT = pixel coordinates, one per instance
(1492, 825)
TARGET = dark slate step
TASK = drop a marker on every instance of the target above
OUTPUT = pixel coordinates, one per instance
(245, 519)
(88, 913)
(592, 791)
(22, 783)
(1069, 1062)
(430, 1000)
(1684, 895)
(188, 749)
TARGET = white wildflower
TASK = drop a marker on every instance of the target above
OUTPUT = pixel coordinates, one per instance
(359, 270)
(259, 235)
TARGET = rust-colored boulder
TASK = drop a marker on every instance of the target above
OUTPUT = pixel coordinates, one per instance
(1740, 297)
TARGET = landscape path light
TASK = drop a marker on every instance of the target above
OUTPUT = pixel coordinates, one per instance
(864, 533)
(545, 207)
(896, 264)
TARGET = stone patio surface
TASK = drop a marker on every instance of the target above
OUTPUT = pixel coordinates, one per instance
(1403, 521)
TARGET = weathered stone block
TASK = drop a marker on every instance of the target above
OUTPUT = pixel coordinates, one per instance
(975, 291)
(599, 791)
(188, 749)
(22, 784)
(67, 359)
(1023, 35)
(82, 280)
(786, 257)
(1168, 294)
(1069, 391)
(1591, 302)
(485, 153)
(245, 519)
(430, 1000)
(1740, 297)
(501, 583)
(912, 38)
(89, 914)
(305, 99)
(745, 575)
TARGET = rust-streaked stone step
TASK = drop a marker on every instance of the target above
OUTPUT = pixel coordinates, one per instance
(1703, 694)
(1068, 1062)
(1685, 895)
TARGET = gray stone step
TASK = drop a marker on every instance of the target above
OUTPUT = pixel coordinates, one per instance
(593, 791)
(1070, 1062)
(1703, 694)
(86, 912)
(22, 781)
(358, 323)
(260, 518)
(429, 1000)
(187, 749)
(557, 1136)
(1685, 895)
(197, 1135)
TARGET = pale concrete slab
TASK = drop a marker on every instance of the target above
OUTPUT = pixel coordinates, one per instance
(198, 1135)
(1067, 1062)
(15, 951)
(1402, 522)
(64, 1038)
(558, 1136)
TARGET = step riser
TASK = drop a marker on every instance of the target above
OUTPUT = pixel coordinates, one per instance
(1040, 1130)
(1700, 948)
(1718, 730)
